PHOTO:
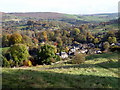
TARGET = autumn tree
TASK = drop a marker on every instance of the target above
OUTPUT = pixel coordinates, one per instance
(106, 45)
(15, 38)
(80, 38)
(51, 35)
(96, 40)
(90, 37)
(26, 40)
(35, 41)
(111, 33)
(45, 35)
(75, 31)
(64, 33)
(112, 39)
(6, 40)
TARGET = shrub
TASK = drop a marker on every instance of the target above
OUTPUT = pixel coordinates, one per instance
(78, 59)
(52, 60)
(27, 63)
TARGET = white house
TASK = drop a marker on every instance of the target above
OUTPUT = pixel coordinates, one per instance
(63, 55)
(98, 52)
(73, 49)
(112, 44)
(83, 51)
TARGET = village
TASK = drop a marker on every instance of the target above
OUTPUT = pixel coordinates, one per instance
(84, 49)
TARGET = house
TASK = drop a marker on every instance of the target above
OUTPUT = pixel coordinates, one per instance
(70, 53)
(83, 51)
(112, 44)
(98, 52)
(73, 49)
(90, 51)
(84, 46)
(63, 55)
(91, 45)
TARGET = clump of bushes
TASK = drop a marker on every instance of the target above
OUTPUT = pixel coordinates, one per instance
(78, 59)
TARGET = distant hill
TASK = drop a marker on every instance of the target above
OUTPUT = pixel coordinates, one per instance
(69, 18)
(98, 17)
(42, 15)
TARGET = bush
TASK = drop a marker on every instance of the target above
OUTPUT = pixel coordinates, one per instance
(78, 59)
(27, 63)
(52, 60)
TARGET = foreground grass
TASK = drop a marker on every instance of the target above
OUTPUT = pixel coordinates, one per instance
(100, 72)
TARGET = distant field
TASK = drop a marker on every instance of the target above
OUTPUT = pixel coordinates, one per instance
(99, 28)
(99, 71)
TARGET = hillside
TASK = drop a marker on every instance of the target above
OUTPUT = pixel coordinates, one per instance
(69, 18)
(42, 15)
(99, 71)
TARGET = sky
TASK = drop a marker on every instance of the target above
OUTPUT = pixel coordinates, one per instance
(61, 6)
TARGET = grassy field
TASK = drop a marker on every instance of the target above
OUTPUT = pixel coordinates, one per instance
(110, 27)
(98, 71)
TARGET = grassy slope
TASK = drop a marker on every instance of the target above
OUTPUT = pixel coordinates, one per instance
(99, 71)
(102, 28)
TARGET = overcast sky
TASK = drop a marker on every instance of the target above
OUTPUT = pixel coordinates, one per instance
(61, 6)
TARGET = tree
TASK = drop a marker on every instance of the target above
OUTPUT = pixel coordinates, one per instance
(46, 53)
(96, 40)
(45, 35)
(106, 45)
(75, 31)
(15, 38)
(35, 41)
(118, 33)
(64, 32)
(5, 40)
(112, 39)
(26, 40)
(59, 41)
(111, 33)
(78, 59)
(80, 38)
(19, 53)
(4, 61)
(90, 37)
(51, 35)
